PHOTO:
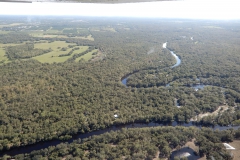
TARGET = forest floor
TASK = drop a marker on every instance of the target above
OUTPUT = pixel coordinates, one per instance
(236, 152)
(215, 113)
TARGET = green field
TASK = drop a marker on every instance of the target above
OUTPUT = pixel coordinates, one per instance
(87, 56)
(9, 44)
(53, 56)
(3, 58)
(4, 32)
(212, 27)
(44, 35)
(9, 25)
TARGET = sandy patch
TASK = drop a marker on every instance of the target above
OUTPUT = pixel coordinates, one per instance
(157, 155)
(215, 113)
(236, 152)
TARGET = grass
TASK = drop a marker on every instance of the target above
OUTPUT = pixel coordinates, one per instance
(53, 56)
(10, 25)
(54, 45)
(89, 37)
(3, 58)
(213, 27)
(39, 34)
(4, 32)
(9, 44)
(48, 35)
(53, 31)
(110, 29)
(87, 56)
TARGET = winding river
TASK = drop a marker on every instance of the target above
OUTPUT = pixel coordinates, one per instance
(178, 62)
(45, 144)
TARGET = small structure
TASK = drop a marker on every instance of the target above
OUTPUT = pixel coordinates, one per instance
(196, 89)
(164, 45)
(115, 115)
(228, 147)
(184, 152)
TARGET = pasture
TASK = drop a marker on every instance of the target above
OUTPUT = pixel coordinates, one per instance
(53, 56)
(87, 56)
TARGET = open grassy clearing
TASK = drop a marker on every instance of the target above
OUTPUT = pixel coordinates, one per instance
(53, 56)
(89, 37)
(3, 58)
(109, 29)
(4, 32)
(53, 31)
(9, 44)
(87, 56)
(49, 35)
(54, 45)
(44, 35)
(82, 49)
(10, 25)
(103, 29)
(212, 27)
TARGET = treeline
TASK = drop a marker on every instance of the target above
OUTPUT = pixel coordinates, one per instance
(24, 51)
(17, 37)
(69, 53)
(75, 56)
(144, 143)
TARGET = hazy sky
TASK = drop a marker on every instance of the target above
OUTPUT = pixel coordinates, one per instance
(196, 9)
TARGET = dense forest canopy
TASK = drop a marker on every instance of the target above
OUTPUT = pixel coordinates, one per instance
(61, 76)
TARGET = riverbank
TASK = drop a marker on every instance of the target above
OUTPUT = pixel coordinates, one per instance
(45, 144)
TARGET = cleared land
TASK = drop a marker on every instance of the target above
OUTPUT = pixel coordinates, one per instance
(236, 152)
(3, 58)
(9, 25)
(220, 110)
(4, 32)
(56, 34)
(53, 55)
(89, 37)
(87, 56)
